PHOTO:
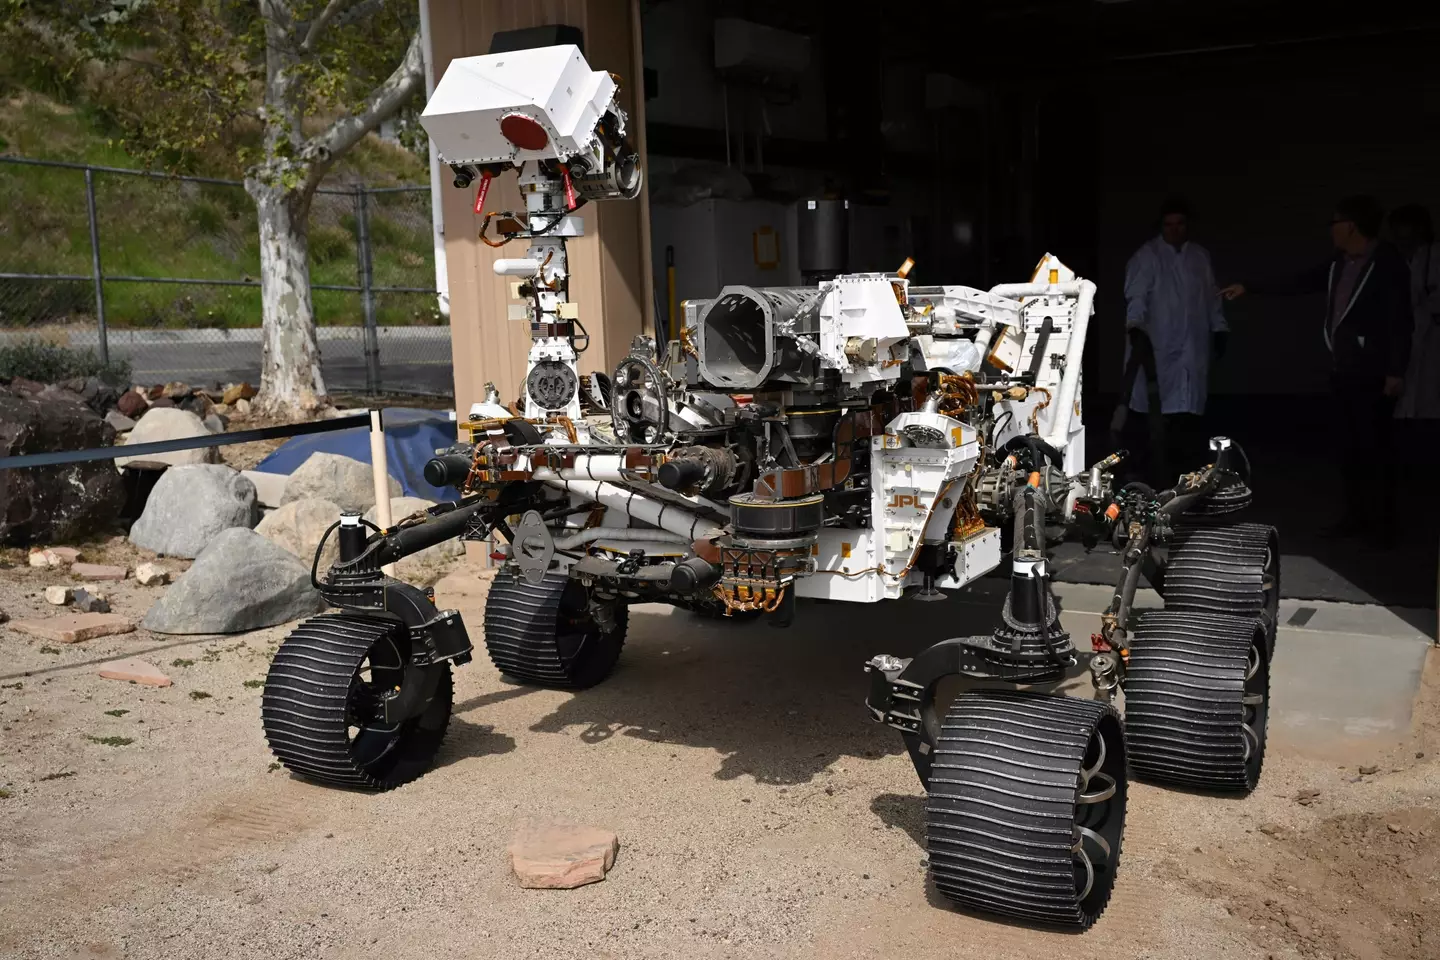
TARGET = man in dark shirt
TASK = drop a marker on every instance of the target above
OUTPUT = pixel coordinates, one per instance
(1367, 326)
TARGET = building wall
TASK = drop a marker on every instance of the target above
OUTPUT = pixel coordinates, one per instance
(609, 276)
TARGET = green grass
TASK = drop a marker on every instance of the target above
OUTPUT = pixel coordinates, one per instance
(49, 649)
(179, 662)
(199, 695)
(17, 685)
(5, 794)
(116, 713)
(254, 684)
(111, 741)
(57, 776)
(154, 228)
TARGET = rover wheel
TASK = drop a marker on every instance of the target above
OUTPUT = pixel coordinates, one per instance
(1196, 699)
(1027, 806)
(1229, 569)
(547, 634)
(323, 706)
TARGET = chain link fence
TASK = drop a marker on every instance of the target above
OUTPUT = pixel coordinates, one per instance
(162, 272)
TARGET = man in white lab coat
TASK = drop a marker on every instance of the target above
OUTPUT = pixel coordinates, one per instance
(1172, 301)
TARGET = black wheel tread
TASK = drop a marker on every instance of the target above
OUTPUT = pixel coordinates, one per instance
(520, 631)
(303, 707)
(1001, 810)
(1184, 691)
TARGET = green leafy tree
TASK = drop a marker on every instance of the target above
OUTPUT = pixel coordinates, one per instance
(287, 85)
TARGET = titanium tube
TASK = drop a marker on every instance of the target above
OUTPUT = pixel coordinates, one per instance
(666, 516)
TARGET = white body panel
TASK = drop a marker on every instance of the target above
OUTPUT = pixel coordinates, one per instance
(863, 308)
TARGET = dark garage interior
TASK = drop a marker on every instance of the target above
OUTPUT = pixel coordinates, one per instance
(974, 137)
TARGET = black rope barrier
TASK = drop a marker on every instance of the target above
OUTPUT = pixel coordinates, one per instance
(58, 457)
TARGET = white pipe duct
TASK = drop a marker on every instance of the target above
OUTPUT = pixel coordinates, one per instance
(1084, 292)
(605, 466)
(626, 534)
(666, 516)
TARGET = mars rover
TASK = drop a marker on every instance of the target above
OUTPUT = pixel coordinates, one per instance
(865, 439)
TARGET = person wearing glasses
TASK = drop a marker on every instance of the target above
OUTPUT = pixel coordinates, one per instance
(1367, 327)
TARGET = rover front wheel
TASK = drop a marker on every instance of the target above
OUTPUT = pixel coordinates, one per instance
(328, 708)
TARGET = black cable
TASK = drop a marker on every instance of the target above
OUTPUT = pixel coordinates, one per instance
(315, 563)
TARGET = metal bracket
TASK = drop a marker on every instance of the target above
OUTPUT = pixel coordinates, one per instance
(534, 548)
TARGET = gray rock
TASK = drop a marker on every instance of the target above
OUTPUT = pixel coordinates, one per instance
(241, 581)
(214, 423)
(432, 563)
(87, 602)
(297, 526)
(341, 480)
(119, 421)
(190, 505)
(169, 423)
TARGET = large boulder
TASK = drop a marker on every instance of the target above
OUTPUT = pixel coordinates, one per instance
(241, 581)
(338, 479)
(54, 504)
(432, 563)
(298, 525)
(190, 505)
(169, 423)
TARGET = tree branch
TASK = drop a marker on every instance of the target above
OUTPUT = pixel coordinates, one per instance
(322, 150)
(312, 33)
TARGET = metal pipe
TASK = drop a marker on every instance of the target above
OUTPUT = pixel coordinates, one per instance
(666, 516)
(1084, 292)
(365, 268)
(103, 341)
(437, 206)
(626, 534)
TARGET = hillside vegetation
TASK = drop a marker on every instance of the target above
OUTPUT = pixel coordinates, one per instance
(160, 228)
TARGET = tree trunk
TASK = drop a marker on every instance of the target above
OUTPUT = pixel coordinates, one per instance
(290, 381)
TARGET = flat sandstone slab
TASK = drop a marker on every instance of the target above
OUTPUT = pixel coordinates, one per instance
(97, 571)
(561, 856)
(74, 629)
(135, 671)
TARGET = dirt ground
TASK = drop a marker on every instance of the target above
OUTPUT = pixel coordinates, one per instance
(760, 814)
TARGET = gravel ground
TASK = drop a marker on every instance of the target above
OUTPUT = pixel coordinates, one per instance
(760, 814)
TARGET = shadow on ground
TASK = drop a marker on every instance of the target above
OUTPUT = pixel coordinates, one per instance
(779, 705)
(465, 740)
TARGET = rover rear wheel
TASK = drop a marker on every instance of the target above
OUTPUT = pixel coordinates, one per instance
(1027, 806)
(548, 634)
(1231, 569)
(324, 703)
(1196, 699)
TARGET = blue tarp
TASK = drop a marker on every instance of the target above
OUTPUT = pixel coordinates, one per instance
(411, 437)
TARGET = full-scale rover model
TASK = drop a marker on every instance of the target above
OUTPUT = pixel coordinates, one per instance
(865, 439)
